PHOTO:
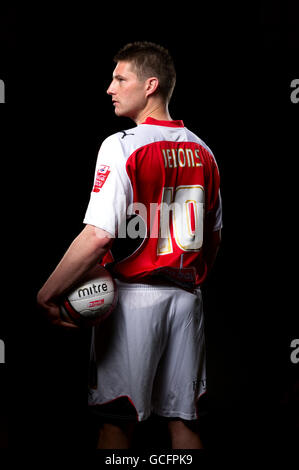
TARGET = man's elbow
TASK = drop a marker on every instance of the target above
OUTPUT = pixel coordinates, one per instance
(102, 240)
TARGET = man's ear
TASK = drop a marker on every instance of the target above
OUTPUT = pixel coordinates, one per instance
(151, 84)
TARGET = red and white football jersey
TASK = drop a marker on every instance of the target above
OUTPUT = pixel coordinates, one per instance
(156, 190)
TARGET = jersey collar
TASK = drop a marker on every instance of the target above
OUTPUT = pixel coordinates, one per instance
(156, 122)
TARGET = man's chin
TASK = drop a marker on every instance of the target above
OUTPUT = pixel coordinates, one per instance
(120, 113)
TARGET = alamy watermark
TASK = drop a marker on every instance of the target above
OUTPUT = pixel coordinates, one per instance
(2, 91)
(295, 93)
(184, 211)
(2, 352)
(295, 353)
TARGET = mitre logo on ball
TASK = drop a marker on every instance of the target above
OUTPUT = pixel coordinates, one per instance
(92, 300)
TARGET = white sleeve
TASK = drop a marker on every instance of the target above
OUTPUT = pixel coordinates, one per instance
(112, 191)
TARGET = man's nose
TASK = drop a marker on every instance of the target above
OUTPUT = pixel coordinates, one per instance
(110, 89)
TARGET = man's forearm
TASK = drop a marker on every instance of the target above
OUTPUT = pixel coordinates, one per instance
(84, 253)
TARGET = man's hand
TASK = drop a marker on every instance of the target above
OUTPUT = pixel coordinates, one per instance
(52, 312)
(82, 255)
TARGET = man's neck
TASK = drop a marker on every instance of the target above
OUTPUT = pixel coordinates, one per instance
(156, 111)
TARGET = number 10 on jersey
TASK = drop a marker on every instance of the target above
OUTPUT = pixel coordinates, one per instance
(183, 208)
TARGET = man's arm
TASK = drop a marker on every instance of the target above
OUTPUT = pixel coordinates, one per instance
(82, 255)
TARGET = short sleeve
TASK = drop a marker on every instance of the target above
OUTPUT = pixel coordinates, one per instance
(112, 191)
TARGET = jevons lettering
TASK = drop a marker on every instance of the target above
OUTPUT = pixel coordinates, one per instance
(181, 157)
(94, 289)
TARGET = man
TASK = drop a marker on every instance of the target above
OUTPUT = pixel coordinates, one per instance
(160, 180)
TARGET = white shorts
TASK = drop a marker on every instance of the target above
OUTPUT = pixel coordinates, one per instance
(151, 350)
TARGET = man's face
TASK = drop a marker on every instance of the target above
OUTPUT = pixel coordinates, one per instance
(127, 91)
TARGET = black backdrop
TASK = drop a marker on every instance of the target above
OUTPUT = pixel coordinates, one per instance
(234, 70)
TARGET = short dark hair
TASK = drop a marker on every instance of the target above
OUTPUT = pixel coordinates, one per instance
(150, 59)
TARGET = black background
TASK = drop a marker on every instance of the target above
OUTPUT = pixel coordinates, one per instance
(234, 70)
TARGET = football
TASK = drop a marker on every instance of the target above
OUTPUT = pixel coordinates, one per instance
(92, 300)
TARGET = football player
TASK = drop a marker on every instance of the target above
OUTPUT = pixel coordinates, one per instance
(154, 220)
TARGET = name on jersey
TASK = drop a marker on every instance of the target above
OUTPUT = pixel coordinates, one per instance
(181, 157)
(101, 176)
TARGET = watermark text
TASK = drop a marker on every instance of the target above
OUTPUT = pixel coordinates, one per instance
(295, 93)
(2, 352)
(2, 91)
(295, 353)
